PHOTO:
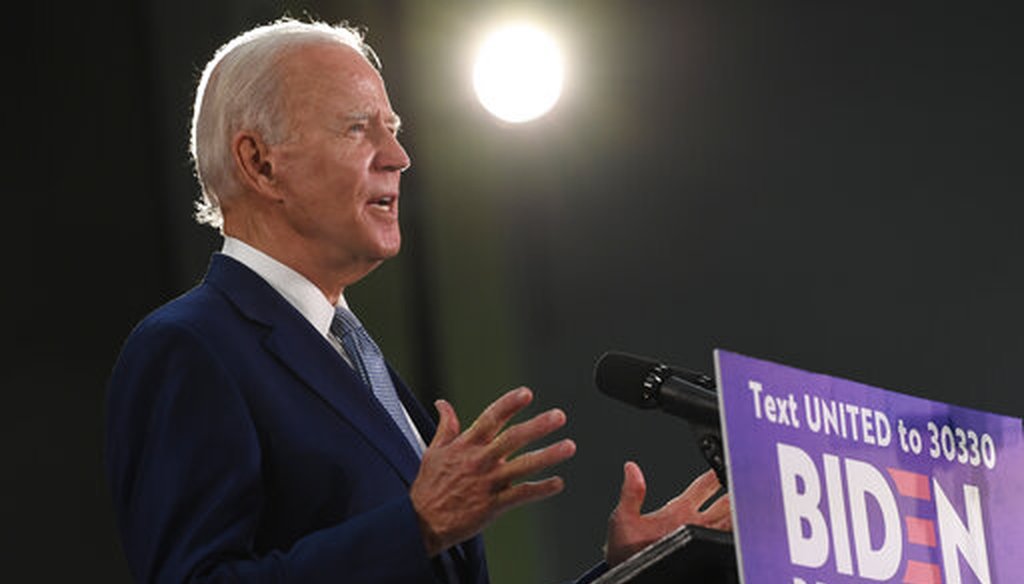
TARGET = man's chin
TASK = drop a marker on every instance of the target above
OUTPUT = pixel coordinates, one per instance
(387, 250)
(391, 251)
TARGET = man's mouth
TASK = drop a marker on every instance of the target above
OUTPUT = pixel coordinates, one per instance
(385, 202)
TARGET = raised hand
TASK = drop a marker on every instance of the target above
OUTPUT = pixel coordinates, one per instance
(468, 479)
(629, 531)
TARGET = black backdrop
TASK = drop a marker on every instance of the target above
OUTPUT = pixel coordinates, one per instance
(831, 186)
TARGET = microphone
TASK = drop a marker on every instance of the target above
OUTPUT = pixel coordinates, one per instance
(649, 384)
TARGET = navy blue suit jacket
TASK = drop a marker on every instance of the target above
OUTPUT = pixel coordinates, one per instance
(241, 447)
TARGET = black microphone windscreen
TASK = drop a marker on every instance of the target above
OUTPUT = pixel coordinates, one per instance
(621, 376)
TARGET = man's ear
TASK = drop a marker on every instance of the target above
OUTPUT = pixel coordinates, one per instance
(253, 161)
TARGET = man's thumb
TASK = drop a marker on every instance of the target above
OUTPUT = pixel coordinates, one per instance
(447, 424)
(634, 489)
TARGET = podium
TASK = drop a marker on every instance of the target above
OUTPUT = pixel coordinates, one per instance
(689, 554)
(875, 459)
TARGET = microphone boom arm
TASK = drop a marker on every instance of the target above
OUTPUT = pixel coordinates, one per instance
(681, 392)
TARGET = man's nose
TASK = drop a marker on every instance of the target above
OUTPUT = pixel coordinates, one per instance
(392, 155)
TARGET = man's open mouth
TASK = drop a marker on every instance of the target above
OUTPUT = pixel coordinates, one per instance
(386, 202)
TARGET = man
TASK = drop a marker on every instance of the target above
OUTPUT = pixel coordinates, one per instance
(254, 432)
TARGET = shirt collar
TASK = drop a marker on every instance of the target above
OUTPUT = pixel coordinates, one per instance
(296, 288)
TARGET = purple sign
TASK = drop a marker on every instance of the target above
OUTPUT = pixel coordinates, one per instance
(834, 482)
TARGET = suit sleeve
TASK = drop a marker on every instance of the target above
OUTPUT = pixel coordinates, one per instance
(183, 460)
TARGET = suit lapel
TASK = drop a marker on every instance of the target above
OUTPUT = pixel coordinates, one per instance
(424, 422)
(300, 348)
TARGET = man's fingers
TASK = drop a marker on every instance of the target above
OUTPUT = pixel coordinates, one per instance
(519, 435)
(700, 490)
(536, 461)
(705, 485)
(718, 515)
(447, 424)
(634, 489)
(528, 492)
(496, 415)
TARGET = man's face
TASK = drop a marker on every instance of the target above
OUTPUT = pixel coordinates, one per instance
(339, 167)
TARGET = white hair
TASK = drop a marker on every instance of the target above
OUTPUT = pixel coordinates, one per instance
(240, 89)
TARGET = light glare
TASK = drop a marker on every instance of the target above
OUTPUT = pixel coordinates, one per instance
(518, 73)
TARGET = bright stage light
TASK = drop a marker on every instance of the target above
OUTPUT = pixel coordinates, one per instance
(518, 73)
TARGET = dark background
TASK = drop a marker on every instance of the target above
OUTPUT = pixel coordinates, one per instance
(834, 186)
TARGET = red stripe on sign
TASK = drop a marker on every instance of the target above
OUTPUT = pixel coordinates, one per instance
(921, 531)
(922, 573)
(911, 484)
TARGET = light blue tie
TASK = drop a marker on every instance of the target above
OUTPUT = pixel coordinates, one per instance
(369, 363)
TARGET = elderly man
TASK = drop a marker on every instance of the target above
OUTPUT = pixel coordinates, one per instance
(255, 432)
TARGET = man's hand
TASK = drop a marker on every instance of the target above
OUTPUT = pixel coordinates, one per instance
(468, 479)
(630, 532)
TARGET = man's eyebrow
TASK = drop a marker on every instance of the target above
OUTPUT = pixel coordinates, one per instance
(392, 120)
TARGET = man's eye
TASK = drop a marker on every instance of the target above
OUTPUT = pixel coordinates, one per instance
(357, 128)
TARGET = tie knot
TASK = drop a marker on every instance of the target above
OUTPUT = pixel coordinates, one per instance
(344, 322)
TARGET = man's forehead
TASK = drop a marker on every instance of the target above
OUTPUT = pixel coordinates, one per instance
(337, 72)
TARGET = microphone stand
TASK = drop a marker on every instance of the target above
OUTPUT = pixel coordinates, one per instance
(691, 395)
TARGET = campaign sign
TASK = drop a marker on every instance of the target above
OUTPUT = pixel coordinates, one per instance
(834, 482)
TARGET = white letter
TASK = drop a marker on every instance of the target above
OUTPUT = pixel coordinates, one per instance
(862, 480)
(954, 536)
(812, 415)
(882, 429)
(852, 410)
(837, 514)
(865, 422)
(832, 418)
(810, 551)
(756, 388)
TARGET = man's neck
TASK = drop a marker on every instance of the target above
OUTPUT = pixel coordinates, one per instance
(331, 278)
